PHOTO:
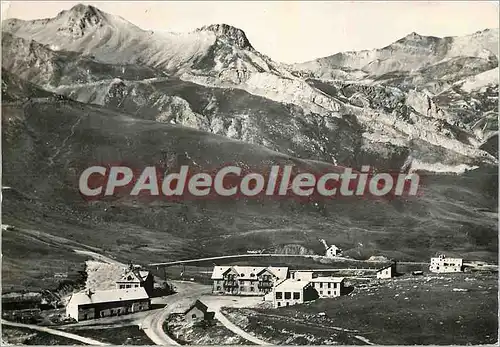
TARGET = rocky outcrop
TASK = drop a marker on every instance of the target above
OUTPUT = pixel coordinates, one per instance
(293, 249)
(230, 34)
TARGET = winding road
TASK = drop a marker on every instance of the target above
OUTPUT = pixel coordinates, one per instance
(152, 325)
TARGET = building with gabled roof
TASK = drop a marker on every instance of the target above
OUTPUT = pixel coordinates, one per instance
(388, 271)
(135, 278)
(246, 280)
(333, 251)
(198, 311)
(105, 303)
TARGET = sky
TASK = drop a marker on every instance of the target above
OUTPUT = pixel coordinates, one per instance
(293, 31)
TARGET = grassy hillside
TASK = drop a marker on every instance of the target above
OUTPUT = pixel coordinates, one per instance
(46, 144)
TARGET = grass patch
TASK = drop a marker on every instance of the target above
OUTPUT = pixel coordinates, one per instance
(127, 335)
(456, 309)
(201, 332)
(23, 336)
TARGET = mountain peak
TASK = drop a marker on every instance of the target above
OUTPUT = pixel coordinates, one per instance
(413, 36)
(80, 18)
(232, 34)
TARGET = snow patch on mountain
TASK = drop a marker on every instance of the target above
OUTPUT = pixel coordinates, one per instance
(417, 165)
(480, 81)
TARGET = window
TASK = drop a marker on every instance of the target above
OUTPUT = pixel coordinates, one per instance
(329, 285)
(329, 293)
(218, 287)
(279, 295)
(279, 304)
(242, 275)
(321, 292)
(296, 295)
(193, 315)
(288, 295)
(321, 285)
(335, 285)
(252, 275)
(288, 304)
(252, 289)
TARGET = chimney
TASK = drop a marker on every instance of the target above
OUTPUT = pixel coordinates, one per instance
(89, 293)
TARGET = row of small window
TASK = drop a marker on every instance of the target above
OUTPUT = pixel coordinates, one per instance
(279, 304)
(328, 293)
(265, 277)
(124, 286)
(328, 285)
(243, 289)
(288, 295)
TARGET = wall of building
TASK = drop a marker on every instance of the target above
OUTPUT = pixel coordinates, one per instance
(385, 273)
(91, 311)
(286, 298)
(194, 314)
(328, 289)
(125, 285)
(218, 286)
(245, 286)
(86, 313)
(443, 265)
(294, 297)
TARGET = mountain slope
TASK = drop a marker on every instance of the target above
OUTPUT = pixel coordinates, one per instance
(87, 88)
(85, 66)
(410, 53)
(48, 143)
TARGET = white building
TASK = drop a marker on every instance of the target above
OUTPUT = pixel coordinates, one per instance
(105, 303)
(302, 275)
(292, 292)
(442, 264)
(328, 287)
(246, 280)
(388, 271)
(332, 251)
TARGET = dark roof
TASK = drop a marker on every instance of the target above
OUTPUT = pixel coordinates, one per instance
(199, 305)
(386, 267)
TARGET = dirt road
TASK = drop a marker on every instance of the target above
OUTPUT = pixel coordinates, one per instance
(188, 261)
(82, 339)
(152, 325)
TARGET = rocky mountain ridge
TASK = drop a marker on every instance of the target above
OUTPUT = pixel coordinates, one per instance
(396, 95)
(87, 87)
(410, 53)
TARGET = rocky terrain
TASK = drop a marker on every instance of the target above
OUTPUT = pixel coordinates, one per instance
(88, 87)
(386, 99)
